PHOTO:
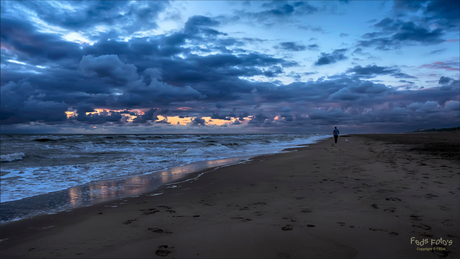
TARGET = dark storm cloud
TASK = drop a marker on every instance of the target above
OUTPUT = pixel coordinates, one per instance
(326, 58)
(35, 47)
(445, 80)
(261, 120)
(112, 66)
(273, 71)
(200, 24)
(324, 117)
(101, 118)
(411, 29)
(164, 75)
(357, 92)
(147, 116)
(443, 12)
(198, 122)
(220, 105)
(139, 94)
(215, 115)
(85, 16)
(108, 67)
(23, 103)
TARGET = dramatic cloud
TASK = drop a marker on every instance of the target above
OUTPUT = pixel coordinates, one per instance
(326, 58)
(108, 67)
(269, 66)
(373, 71)
(21, 103)
(400, 33)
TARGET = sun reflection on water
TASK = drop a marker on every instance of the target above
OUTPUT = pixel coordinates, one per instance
(112, 189)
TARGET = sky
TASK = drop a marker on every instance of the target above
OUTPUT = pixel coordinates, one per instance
(133, 67)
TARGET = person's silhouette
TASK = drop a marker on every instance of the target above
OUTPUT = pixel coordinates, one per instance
(336, 134)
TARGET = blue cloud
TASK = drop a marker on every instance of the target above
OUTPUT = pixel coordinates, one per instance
(326, 59)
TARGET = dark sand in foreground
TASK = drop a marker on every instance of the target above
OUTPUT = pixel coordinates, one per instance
(363, 198)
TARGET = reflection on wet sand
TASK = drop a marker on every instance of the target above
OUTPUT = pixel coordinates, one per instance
(106, 190)
(102, 191)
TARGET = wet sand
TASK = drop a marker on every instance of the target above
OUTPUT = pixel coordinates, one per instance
(373, 196)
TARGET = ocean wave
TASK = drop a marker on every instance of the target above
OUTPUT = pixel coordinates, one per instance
(13, 157)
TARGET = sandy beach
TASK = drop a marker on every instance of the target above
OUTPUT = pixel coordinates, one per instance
(369, 196)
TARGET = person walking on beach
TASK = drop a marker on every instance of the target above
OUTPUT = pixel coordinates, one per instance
(336, 134)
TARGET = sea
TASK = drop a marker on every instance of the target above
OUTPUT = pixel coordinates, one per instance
(46, 174)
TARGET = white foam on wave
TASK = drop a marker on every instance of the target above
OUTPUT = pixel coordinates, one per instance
(197, 151)
(13, 157)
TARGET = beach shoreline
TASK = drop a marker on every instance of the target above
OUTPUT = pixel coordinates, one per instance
(366, 197)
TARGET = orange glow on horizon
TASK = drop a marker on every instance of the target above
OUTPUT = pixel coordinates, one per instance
(173, 120)
(70, 114)
(217, 122)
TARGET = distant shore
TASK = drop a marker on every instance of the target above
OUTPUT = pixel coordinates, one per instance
(369, 196)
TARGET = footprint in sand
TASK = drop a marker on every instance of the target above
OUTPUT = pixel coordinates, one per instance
(390, 209)
(393, 199)
(384, 191)
(260, 203)
(341, 223)
(164, 250)
(150, 211)
(374, 206)
(129, 221)
(311, 226)
(429, 196)
(415, 217)
(159, 230)
(241, 218)
(377, 229)
(306, 210)
(447, 222)
(440, 251)
(444, 208)
(422, 226)
(287, 228)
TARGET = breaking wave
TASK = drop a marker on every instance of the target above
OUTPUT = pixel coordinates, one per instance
(13, 157)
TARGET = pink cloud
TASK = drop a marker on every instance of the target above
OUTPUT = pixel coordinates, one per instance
(442, 65)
